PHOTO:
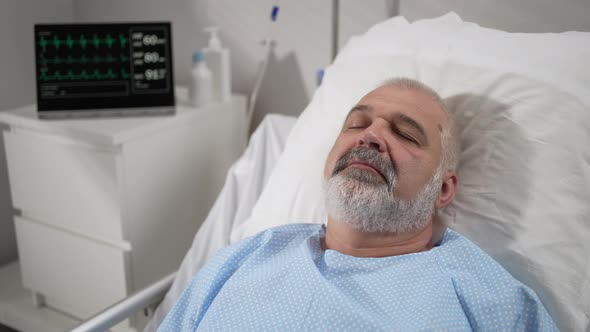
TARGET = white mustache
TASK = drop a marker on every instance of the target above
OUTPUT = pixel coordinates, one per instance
(370, 156)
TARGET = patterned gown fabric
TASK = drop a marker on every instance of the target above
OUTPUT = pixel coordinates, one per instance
(281, 280)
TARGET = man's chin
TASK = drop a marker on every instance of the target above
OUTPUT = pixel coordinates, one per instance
(363, 176)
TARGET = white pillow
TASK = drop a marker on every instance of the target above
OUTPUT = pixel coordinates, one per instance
(523, 110)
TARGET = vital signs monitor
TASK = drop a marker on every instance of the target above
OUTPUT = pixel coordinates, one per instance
(104, 69)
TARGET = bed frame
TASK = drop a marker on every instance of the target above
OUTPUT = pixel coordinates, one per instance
(146, 299)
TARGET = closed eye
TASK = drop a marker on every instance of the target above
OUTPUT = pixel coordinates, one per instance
(408, 138)
(356, 126)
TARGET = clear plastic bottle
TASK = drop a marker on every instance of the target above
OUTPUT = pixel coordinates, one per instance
(201, 85)
(217, 58)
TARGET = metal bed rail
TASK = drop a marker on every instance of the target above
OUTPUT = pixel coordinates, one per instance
(127, 307)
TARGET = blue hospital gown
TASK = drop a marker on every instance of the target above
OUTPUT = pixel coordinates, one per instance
(281, 280)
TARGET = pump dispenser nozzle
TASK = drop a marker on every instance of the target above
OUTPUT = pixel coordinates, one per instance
(214, 42)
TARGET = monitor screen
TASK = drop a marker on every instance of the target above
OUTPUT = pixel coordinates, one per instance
(96, 66)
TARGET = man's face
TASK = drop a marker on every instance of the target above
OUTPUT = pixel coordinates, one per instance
(390, 144)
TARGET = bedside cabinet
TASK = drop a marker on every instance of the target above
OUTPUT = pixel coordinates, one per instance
(107, 206)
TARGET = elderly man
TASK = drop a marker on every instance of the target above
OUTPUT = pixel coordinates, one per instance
(383, 262)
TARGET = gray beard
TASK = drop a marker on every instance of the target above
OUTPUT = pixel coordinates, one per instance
(366, 202)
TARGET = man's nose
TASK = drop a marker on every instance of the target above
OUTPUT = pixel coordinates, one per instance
(372, 139)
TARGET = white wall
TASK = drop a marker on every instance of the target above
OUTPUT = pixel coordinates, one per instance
(16, 33)
(18, 84)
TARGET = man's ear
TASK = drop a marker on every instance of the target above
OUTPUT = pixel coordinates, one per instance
(448, 189)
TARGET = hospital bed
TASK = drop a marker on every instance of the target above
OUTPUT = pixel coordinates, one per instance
(522, 103)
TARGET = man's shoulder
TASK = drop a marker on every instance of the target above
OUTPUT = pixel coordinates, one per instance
(292, 233)
(458, 252)
(486, 290)
(466, 263)
(269, 242)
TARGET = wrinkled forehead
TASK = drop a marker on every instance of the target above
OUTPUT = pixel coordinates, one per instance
(405, 102)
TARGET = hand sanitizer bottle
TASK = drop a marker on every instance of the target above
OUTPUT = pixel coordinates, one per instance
(201, 88)
(217, 59)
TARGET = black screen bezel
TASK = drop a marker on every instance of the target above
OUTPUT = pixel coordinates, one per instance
(81, 104)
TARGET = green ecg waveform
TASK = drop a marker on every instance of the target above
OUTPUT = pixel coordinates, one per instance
(83, 41)
(95, 74)
(84, 59)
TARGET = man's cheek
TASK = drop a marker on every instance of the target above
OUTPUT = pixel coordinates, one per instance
(330, 162)
(328, 166)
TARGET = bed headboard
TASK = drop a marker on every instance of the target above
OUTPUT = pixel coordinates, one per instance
(508, 15)
(512, 16)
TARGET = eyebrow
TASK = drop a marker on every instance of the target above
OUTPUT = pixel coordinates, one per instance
(361, 108)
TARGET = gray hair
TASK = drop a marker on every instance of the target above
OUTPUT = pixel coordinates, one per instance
(450, 143)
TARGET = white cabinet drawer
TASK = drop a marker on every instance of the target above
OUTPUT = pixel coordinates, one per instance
(71, 186)
(75, 274)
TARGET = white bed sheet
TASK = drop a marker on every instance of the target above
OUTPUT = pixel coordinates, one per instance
(243, 185)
